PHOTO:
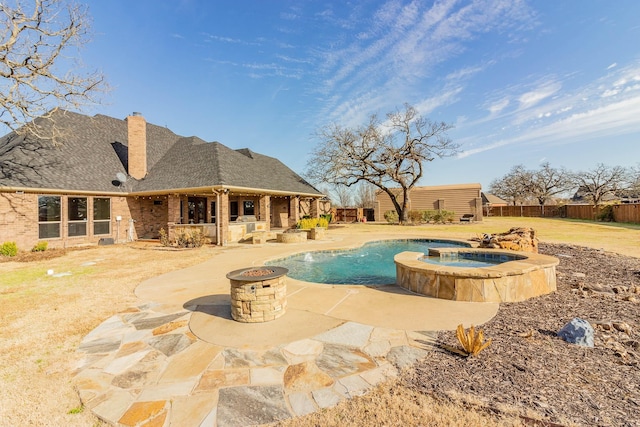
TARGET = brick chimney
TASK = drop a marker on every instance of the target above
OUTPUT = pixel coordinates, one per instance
(137, 145)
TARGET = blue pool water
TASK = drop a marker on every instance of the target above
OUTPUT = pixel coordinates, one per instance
(371, 264)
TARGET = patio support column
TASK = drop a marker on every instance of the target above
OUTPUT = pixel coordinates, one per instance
(173, 207)
(185, 209)
(173, 215)
(294, 211)
(224, 218)
(265, 209)
(315, 208)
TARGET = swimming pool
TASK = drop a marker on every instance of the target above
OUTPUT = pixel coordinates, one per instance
(371, 264)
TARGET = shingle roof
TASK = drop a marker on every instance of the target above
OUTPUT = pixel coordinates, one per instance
(94, 149)
(492, 199)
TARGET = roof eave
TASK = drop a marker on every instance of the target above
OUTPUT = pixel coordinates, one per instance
(60, 191)
(221, 188)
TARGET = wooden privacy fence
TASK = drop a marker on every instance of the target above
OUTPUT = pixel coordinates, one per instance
(621, 213)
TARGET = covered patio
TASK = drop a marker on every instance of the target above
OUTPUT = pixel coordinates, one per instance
(223, 214)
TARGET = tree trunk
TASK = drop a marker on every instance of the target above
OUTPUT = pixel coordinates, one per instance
(405, 202)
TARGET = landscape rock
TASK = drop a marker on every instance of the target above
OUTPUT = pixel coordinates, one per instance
(578, 331)
(516, 239)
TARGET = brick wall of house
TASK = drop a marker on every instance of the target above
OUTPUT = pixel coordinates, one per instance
(150, 215)
(19, 221)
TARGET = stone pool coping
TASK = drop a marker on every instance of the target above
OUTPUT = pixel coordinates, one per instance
(527, 276)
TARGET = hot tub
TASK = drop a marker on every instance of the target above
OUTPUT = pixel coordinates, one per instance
(508, 276)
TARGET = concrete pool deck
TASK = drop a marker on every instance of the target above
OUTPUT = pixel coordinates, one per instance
(179, 359)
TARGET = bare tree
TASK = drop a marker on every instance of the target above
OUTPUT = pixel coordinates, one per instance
(39, 45)
(548, 182)
(343, 196)
(633, 189)
(365, 195)
(512, 186)
(389, 155)
(597, 183)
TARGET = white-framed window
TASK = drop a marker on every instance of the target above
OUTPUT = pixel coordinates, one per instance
(49, 218)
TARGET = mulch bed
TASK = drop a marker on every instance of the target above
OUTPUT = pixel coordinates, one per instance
(528, 370)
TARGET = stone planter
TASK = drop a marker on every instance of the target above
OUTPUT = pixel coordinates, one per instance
(292, 237)
(258, 294)
(317, 233)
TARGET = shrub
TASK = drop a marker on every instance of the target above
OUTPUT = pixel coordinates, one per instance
(428, 215)
(328, 217)
(9, 249)
(391, 216)
(415, 216)
(192, 239)
(443, 216)
(308, 223)
(40, 247)
(606, 214)
(164, 238)
(472, 343)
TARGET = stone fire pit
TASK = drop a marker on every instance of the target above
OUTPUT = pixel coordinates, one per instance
(258, 294)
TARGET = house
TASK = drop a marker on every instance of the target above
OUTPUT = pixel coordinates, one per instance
(492, 201)
(463, 199)
(107, 178)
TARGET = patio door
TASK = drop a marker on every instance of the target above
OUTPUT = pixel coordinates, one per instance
(197, 210)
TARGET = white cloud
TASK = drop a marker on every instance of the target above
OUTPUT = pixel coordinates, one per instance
(529, 99)
(606, 106)
(614, 65)
(612, 119)
(403, 44)
(497, 107)
(426, 106)
(465, 73)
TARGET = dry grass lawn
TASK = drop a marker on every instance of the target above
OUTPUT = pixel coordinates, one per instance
(43, 319)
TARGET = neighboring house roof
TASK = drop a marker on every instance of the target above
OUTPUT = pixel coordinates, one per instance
(94, 149)
(492, 200)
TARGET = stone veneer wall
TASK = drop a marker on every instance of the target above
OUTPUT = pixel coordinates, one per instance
(511, 281)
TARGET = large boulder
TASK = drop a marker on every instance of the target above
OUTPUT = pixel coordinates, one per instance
(516, 239)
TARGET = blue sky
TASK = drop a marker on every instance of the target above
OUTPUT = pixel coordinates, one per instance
(523, 82)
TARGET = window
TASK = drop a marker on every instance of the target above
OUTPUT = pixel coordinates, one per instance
(48, 217)
(233, 211)
(213, 212)
(248, 208)
(77, 216)
(101, 216)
